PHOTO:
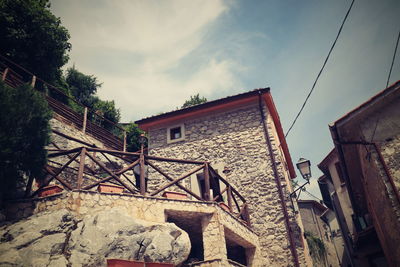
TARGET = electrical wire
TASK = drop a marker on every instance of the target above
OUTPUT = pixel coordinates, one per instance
(321, 70)
(394, 57)
(308, 193)
(387, 84)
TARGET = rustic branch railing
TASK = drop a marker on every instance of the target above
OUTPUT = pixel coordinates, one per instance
(84, 168)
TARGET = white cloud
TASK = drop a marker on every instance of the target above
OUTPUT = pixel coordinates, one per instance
(158, 35)
(154, 92)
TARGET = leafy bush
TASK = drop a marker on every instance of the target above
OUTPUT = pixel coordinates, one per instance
(24, 133)
(316, 246)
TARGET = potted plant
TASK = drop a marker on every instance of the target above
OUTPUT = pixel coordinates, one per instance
(50, 190)
(110, 188)
(174, 195)
(124, 263)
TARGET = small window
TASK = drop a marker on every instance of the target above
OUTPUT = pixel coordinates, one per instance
(175, 133)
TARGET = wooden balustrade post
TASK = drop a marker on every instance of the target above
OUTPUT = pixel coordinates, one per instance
(142, 175)
(84, 120)
(246, 214)
(206, 182)
(33, 81)
(124, 141)
(229, 192)
(81, 167)
(4, 76)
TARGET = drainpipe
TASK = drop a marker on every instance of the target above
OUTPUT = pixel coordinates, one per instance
(278, 182)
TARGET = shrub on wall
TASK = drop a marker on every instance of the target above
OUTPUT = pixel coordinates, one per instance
(24, 133)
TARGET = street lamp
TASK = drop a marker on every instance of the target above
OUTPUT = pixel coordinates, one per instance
(304, 168)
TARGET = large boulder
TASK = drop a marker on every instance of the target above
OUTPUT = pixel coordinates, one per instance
(63, 239)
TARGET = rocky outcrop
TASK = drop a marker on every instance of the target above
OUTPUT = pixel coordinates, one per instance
(64, 239)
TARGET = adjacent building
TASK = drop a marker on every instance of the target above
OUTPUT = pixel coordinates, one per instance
(362, 179)
(321, 227)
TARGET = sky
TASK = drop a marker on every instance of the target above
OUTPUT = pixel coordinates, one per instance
(152, 55)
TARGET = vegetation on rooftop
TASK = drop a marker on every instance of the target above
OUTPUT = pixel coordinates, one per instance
(194, 100)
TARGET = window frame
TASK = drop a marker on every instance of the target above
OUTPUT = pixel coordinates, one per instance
(182, 127)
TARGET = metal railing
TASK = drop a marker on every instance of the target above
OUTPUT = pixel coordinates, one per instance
(82, 117)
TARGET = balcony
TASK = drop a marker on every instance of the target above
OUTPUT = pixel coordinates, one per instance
(138, 174)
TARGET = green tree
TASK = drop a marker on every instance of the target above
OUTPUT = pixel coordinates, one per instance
(83, 87)
(194, 100)
(133, 133)
(108, 110)
(33, 37)
(24, 132)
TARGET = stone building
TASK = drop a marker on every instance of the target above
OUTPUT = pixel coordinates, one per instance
(320, 222)
(241, 136)
(362, 177)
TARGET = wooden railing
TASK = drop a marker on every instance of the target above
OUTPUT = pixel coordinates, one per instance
(85, 168)
(89, 122)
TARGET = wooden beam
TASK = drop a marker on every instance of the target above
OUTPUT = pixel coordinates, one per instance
(73, 138)
(207, 182)
(110, 173)
(220, 193)
(175, 160)
(33, 81)
(230, 197)
(227, 183)
(84, 120)
(64, 152)
(124, 148)
(142, 175)
(81, 167)
(62, 181)
(194, 170)
(171, 179)
(4, 76)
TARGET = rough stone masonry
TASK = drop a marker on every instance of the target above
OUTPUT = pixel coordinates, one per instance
(236, 138)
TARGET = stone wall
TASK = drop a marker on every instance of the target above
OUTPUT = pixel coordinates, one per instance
(70, 130)
(152, 210)
(236, 138)
(390, 150)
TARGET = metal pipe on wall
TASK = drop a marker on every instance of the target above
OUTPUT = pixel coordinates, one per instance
(278, 182)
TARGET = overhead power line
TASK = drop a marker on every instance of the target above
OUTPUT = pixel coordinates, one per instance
(323, 66)
(387, 84)
(394, 56)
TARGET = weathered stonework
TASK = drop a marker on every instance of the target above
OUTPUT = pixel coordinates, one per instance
(154, 210)
(236, 139)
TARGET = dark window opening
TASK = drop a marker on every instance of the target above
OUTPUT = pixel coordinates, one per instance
(361, 222)
(238, 249)
(237, 254)
(175, 133)
(214, 185)
(190, 222)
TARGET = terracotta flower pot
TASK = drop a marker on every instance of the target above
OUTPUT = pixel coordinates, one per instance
(174, 195)
(224, 206)
(110, 188)
(50, 190)
(124, 263)
(156, 264)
